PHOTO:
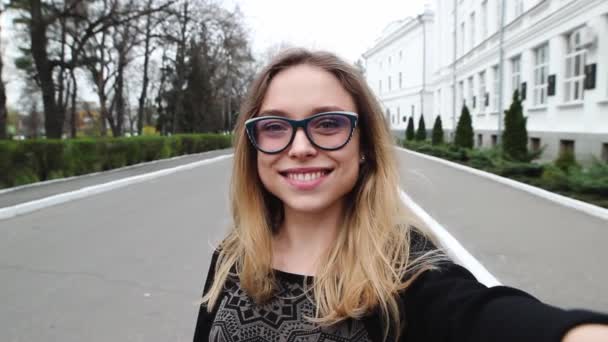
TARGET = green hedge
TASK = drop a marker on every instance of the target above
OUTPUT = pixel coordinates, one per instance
(564, 175)
(29, 161)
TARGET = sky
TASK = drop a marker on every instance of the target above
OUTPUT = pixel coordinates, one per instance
(345, 27)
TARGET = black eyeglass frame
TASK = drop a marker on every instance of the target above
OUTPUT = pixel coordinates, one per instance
(295, 124)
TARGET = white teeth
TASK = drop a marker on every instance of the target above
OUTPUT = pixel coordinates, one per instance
(305, 177)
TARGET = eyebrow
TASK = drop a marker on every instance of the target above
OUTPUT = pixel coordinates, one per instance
(317, 110)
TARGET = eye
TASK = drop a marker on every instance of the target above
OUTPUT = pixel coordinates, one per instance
(328, 123)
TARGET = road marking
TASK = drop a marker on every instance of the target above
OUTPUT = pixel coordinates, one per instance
(454, 248)
(27, 207)
(585, 207)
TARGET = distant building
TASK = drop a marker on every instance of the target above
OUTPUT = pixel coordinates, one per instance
(555, 53)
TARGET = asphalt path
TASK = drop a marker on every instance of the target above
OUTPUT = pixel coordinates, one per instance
(129, 264)
(556, 253)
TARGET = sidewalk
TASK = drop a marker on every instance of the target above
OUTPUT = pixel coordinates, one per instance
(10, 197)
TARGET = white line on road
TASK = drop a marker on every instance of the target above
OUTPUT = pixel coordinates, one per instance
(27, 207)
(587, 208)
(454, 248)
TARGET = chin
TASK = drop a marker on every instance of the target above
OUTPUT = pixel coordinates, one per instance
(307, 205)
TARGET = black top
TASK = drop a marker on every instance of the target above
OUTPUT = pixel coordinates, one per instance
(448, 304)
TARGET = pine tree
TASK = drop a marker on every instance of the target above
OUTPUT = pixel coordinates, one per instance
(515, 135)
(464, 129)
(409, 132)
(437, 138)
(421, 132)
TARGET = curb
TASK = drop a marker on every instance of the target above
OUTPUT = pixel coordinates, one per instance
(585, 207)
(27, 207)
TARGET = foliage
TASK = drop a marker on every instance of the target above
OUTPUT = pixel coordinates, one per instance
(464, 129)
(35, 160)
(421, 132)
(437, 135)
(409, 131)
(515, 135)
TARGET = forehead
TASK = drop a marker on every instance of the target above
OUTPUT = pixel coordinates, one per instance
(303, 90)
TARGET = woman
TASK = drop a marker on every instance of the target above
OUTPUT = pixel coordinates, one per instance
(322, 248)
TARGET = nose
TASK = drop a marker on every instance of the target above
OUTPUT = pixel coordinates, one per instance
(301, 146)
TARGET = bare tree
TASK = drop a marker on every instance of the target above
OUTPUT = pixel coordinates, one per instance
(3, 111)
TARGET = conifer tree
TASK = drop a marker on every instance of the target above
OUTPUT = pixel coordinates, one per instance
(515, 135)
(464, 129)
(421, 132)
(409, 132)
(437, 137)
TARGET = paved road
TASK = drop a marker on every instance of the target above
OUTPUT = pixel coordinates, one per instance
(125, 265)
(556, 253)
(128, 264)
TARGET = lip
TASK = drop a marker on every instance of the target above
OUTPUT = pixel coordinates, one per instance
(305, 185)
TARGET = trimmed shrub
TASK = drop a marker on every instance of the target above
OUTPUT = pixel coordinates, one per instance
(437, 135)
(421, 132)
(464, 129)
(515, 135)
(409, 131)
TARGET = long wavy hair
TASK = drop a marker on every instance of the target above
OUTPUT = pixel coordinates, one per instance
(370, 261)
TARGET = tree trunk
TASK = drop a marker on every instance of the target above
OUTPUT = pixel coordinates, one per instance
(144, 87)
(53, 119)
(73, 110)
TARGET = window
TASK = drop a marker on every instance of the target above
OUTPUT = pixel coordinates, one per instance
(605, 152)
(541, 69)
(495, 94)
(389, 83)
(388, 114)
(516, 74)
(498, 17)
(472, 28)
(380, 86)
(479, 140)
(535, 144)
(400, 80)
(439, 102)
(484, 19)
(575, 68)
(482, 91)
(494, 140)
(400, 55)
(566, 146)
(413, 110)
(519, 8)
(398, 115)
(389, 61)
(471, 93)
(462, 38)
(461, 92)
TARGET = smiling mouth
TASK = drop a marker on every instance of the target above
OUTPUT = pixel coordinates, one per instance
(306, 176)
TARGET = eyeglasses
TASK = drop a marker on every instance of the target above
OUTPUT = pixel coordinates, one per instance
(328, 131)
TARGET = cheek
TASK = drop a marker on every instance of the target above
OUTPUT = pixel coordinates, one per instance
(265, 170)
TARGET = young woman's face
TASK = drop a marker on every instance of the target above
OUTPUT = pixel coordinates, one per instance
(296, 93)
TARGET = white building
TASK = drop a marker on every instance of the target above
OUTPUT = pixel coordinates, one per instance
(554, 51)
(399, 68)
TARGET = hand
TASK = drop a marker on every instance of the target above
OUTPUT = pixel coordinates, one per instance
(587, 333)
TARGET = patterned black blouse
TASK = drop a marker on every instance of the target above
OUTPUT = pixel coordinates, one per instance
(448, 304)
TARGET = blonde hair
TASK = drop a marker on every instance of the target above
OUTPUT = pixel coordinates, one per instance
(371, 260)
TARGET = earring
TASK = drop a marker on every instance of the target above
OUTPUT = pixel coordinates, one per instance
(362, 159)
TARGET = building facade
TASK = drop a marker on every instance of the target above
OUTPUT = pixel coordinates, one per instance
(554, 52)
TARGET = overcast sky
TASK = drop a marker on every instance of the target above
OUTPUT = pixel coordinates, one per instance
(346, 27)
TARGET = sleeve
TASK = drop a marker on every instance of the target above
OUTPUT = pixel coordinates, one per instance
(205, 319)
(449, 304)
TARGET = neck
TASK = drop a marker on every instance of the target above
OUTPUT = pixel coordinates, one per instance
(304, 237)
